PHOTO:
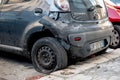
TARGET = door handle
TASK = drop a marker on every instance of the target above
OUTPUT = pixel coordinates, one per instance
(38, 10)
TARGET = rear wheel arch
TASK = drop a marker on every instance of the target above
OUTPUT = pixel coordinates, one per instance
(35, 36)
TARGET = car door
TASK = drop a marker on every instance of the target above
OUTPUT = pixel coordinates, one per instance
(15, 15)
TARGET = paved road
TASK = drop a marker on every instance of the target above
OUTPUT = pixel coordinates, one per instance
(106, 71)
(102, 67)
(14, 67)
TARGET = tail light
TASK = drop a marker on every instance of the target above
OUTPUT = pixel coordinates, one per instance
(62, 4)
(77, 38)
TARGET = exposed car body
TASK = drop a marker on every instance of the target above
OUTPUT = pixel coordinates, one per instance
(113, 8)
(51, 30)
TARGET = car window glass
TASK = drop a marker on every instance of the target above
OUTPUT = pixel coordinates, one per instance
(117, 2)
(88, 9)
(15, 5)
(14, 1)
(113, 1)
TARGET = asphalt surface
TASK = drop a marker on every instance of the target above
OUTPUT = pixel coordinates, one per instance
(101, 67)
(106, 71)
(15, 67)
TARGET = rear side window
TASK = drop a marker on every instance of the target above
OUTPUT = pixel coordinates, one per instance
(84, 10)
(14, 1)
(117, 2)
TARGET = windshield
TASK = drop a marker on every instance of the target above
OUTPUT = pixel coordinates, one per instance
(86, 10)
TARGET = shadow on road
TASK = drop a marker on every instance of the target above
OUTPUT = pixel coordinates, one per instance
(27, 62)
(14, 58)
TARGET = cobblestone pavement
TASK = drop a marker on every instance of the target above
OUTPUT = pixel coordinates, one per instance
(103, 67)
(106, 71)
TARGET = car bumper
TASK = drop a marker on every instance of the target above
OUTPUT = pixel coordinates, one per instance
(82, 48)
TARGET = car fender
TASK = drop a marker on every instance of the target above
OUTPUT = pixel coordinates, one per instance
(29, 30)
(55, 26)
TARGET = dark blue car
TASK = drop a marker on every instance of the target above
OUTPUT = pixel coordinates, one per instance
(52, 31)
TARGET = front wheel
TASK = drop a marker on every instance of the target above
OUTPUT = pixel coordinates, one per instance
(48, 55)
(116, 37)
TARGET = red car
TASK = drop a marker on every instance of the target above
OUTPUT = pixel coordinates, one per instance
(113, 8)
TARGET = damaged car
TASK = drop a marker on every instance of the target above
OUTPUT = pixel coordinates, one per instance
(51, 31)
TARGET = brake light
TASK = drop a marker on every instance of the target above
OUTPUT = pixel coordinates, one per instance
(62, 4)
(77, 38)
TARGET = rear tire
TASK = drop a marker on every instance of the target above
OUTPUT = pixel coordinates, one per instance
(116, 37)
(48, 55)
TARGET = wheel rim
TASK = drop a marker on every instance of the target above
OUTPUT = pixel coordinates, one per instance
(116, 39)
(46, 58)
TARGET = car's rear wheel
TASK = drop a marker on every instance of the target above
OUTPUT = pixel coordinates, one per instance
(116, 37)
(48, 55)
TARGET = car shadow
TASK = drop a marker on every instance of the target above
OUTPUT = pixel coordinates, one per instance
(12, 57)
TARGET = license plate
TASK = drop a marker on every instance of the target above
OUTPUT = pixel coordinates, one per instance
(97, 45)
